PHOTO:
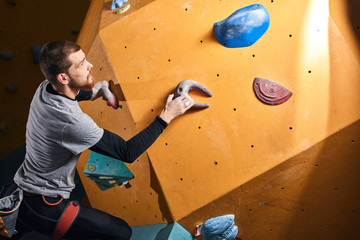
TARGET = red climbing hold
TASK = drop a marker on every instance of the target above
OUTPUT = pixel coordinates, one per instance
(270, 92)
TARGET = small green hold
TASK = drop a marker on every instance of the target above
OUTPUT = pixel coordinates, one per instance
(120, 106)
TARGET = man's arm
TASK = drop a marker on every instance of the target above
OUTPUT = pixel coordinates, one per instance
(114, 146)
(100, 89)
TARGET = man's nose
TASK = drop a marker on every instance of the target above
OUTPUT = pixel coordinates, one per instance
(90, 66)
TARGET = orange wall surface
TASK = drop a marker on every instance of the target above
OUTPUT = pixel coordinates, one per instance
(203, 158)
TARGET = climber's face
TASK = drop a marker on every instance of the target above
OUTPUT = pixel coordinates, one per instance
(80, 71)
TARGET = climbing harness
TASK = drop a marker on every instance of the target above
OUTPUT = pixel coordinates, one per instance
(66, 220)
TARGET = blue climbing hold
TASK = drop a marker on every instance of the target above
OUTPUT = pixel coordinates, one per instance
(244, 27)
(117, 3)
(220, 228)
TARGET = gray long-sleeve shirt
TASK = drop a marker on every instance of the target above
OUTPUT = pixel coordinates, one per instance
(57, 132)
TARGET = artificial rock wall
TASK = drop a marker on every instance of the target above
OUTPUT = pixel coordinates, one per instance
(286, 171)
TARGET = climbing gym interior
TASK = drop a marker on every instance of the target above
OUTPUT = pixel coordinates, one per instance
(277, 148)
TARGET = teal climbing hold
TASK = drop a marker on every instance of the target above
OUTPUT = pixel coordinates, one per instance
(164, 231)
(106, 172)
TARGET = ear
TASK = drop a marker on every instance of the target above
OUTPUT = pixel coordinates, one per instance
(63, 78)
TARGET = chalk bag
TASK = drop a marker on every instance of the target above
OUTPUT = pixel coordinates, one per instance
(9, 209)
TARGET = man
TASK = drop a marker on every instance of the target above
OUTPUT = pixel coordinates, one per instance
(58, 131)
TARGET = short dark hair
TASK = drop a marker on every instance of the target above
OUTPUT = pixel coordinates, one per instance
(53, 58)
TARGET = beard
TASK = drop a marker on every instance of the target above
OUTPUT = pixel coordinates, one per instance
(89, 83)
(87, 86)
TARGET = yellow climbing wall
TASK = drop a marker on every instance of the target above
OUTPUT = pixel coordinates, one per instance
(206, 158)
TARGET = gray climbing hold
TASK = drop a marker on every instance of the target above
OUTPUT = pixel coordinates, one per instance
(6, 55)
(186, 86)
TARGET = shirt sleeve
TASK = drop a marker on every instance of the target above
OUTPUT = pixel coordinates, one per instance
(80, 134)
(115, 146)
(84, 95)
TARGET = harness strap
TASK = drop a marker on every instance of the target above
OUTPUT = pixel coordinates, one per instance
(66, 219)
(52, 204)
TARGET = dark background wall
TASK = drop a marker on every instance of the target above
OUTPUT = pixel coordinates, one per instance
(24, 24)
